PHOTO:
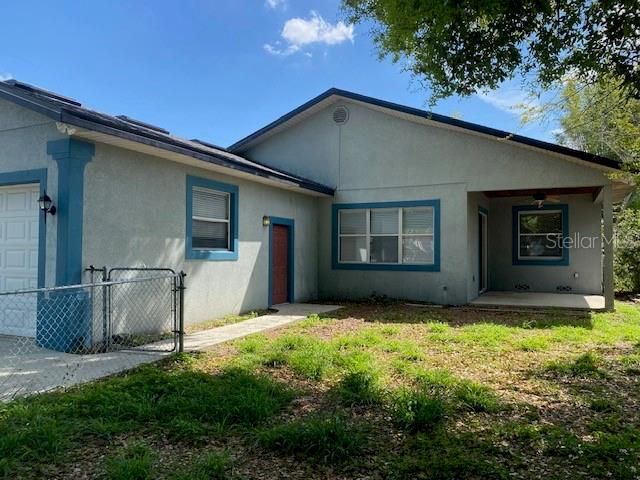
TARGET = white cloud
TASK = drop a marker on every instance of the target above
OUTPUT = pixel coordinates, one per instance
(5, 76)
(508, 99)
(273, 4)
(299, 32)
(279, 50)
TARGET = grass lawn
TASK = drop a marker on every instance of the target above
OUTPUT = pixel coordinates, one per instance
(375, 390)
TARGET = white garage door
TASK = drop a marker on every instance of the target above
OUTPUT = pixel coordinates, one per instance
(18, 258)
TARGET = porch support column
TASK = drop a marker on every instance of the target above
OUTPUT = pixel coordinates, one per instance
(64, 321)
(607, 264)
(72, 156)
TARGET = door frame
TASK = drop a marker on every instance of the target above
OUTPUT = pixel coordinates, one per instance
(483, 250)
(290, 224)
(30, 177)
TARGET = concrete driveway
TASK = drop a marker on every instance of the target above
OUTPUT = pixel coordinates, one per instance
(26, 368)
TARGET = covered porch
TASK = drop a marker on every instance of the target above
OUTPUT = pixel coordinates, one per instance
(543, 247)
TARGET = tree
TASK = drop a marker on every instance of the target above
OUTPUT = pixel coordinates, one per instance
(461, 46)
(599, 118)
(626, 264)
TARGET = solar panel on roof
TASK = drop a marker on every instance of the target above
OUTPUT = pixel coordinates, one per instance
(207, 144)
(43, 93)
(140, 123)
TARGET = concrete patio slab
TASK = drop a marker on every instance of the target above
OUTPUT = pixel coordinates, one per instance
(26, 368)
(571, 301)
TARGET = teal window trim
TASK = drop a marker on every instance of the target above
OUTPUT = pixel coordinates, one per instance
(213, 255)
(433, 267)
(515, 235)
(26, 177)
(290, 224)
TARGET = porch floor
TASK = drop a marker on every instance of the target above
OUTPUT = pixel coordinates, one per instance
(540, 300)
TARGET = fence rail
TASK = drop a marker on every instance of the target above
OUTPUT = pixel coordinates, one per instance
(47, 335)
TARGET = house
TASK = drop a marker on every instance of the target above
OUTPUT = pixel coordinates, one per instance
(343, 197)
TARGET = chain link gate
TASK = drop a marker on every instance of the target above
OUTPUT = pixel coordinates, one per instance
(58, 336)
(141, 308)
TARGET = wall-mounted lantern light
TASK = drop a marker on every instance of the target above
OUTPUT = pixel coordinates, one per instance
(46, 205)
(266, 221)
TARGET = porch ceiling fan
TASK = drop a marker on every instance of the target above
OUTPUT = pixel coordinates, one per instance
(540, 198)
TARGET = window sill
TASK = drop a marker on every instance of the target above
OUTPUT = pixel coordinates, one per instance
(386, 267)
(212, 255)
(563, 262)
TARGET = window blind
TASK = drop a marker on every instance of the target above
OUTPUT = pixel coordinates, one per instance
(210, 219)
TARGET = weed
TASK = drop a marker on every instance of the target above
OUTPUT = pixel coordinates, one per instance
(43, 428)
(133, 462)
(488, 335)
(602, 404)
(437, 327)
(631, 363)
(436, 382)
(359, 388)
(328, 439)
(584, 365)
(416, 410)
(476, 397)
(441, 456)
(533, 344)
(212, 466)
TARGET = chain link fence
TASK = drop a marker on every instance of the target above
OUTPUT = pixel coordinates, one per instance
(61, 336)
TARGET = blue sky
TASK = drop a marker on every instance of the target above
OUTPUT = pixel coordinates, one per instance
(214, 69)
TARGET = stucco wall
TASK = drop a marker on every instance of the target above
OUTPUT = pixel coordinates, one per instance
(439, 287)
(135, 215)
(584, 219)
(378, 157)
(23, 146)
(374, 149)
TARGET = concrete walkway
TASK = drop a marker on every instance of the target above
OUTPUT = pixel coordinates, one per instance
(26, 369)
(285, 315)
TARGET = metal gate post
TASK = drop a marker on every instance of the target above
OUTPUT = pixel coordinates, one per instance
(181, 289)
(105, 322)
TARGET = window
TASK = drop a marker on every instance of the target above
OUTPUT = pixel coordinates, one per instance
(212, 220)
(539, 235)
(387, 236)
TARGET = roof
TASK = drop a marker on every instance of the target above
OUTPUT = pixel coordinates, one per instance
(69, 111)
(334, 94)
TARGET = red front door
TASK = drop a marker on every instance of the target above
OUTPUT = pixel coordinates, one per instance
(280, 265)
